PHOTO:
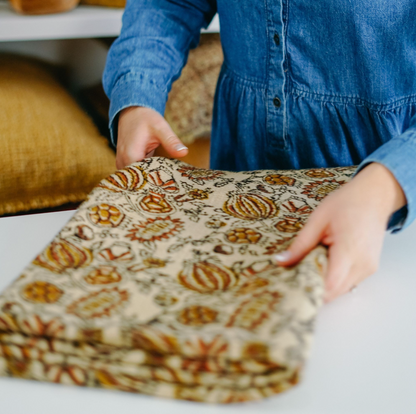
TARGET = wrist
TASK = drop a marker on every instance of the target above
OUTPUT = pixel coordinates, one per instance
(380, 184)
(129, 109)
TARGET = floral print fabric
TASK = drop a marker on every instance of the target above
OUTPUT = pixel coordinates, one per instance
(164, 283)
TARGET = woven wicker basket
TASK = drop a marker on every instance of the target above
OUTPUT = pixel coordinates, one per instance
(43, 6)
(105, 3)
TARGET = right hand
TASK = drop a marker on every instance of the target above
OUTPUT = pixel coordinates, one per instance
(140, 131)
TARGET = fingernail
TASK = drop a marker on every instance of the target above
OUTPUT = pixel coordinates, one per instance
(283, 256)
(180, 147)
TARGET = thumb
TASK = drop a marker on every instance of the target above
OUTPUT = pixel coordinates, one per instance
(172, 144)
(310, 235)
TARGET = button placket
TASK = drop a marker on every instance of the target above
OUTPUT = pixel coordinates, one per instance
(276, 77)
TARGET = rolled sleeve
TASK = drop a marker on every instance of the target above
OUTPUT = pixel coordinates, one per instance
(399, 156)
(148, 56)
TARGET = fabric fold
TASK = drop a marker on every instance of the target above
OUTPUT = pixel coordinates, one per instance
(164, 283)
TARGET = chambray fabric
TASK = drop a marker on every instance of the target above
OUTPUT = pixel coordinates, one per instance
(304, 84)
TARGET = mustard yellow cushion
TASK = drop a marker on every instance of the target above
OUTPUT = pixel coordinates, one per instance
(52, 153)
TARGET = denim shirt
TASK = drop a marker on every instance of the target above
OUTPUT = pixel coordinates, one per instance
(304, 83)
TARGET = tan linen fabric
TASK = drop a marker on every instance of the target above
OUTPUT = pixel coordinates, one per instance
(52, 153)
(164, 283)
(189, 106)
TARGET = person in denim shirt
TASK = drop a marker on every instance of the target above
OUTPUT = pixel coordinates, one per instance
(304, 84)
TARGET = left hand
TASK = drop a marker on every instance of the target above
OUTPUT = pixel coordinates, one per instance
(352, 222)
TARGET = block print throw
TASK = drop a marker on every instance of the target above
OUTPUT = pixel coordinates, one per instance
(164, 283)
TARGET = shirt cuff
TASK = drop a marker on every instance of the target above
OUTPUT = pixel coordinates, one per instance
(135, 90)
(398, 156)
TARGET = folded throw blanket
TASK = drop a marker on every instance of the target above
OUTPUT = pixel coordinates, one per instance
(164, 283)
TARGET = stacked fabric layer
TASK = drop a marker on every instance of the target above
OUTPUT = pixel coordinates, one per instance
(164, 283)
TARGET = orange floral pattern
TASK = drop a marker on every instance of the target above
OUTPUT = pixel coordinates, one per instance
(155, 229)
(106, 215)
(320, 189)
(98, 304)
(163, 283)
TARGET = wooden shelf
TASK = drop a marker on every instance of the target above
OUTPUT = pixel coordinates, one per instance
(81, 22)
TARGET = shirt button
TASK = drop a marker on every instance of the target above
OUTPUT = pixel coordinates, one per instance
(277, 102)
(277, 39)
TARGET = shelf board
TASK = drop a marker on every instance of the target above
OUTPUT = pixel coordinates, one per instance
(81, 22)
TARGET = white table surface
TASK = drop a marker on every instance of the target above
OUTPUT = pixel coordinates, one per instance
(363, 358)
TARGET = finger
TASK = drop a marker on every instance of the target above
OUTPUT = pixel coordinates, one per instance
(345, 287)
(310, 235)
(338, 270)
(172, 144)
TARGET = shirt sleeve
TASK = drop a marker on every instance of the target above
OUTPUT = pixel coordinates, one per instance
(150, 52)
(399, 156)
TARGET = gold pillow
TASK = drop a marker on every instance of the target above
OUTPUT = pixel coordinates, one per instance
(52, 153)
(164, 283)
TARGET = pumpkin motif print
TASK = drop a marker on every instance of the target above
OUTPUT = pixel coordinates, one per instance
(132, 178)
(155, 203)
(164, 283)
(155, 229)
(42, 292)
(62, 255)
(207, 276)
(106, 215)
(250, 206)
